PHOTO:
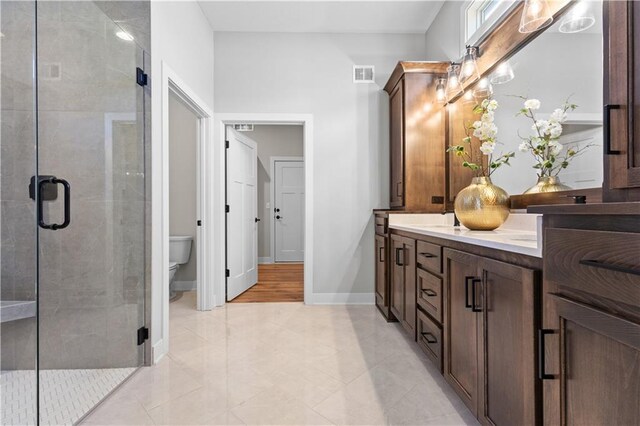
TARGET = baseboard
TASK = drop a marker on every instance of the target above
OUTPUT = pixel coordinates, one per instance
(184, 285)
(263, 260)
(343, 298)
(159, 351)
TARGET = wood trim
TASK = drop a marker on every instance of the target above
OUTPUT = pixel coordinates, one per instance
(614, 209)
(405, 67)
(594, 195)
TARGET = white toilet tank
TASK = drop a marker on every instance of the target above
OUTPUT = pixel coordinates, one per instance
(180, 249)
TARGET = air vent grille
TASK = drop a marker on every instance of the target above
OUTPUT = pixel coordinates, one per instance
(243, 127)
(363, 74)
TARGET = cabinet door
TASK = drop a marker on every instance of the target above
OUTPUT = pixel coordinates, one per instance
(507, 303)
(622, 100)
(396, 148)
(600, 376)
(381, 271)
(461, 326)
(410, 294)
(397, 277)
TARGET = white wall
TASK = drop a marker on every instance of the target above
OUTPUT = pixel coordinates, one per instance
(182, 38)
(183, 144)
(443, 38)
(311, 74)
(273, 141)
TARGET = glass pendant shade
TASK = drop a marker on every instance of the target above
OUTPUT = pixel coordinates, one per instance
(502, 74)
(535, 15)
(454, 88)
(469, 68)
(483, 89)
(579, 18)
(468, 98)
(441, 91)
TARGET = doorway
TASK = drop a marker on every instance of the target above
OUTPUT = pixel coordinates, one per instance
(265, 224)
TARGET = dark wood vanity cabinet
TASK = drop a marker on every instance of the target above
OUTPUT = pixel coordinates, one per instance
(622, 101)
(490, 337)
(416, 137)
(403, 282)
(381, 253)
(591, 315)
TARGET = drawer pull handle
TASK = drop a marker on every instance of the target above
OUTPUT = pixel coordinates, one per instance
(398, 261)
(466, 292)
(429, 338)
(428, 255)
(542, 374)
(608, 266)
(381, 255)
(607, 129)
(474, 308)
(430, 293)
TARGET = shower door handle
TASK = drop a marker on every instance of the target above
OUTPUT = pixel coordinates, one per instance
(67, 203)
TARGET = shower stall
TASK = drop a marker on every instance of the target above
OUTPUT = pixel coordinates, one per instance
(74, 153)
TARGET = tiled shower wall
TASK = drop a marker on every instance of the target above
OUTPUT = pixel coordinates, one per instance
(91, 120)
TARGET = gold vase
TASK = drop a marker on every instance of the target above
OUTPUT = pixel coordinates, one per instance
(482, 206)
(547, 184)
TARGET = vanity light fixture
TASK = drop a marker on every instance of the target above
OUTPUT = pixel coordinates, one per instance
(124, 36)
(535, 16)
(468, 98)
(502, 74)
(469, 69)
(454, 88)
(441, 91)
(483, 89)
(579, 18)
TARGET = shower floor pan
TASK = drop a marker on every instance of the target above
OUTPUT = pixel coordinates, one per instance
(65, 395)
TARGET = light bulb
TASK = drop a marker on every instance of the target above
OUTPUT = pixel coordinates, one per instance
(469, 69)
(483, 89)
(441, 94)
(453, 83)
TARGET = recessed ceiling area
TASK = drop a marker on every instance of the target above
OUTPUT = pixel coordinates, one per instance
(312, 16)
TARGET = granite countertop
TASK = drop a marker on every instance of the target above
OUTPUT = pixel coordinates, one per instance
(521, 233)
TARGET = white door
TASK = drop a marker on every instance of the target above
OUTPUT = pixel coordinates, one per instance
(289, 211)
(242, 229)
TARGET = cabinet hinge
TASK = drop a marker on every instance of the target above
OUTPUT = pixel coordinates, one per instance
(199, 223)
(227, 209)
(143, 334)
(228, 273)
(226, 144)
(141, 78)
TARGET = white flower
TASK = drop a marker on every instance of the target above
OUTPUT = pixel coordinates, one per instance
(485, 103)
(487, 117)
(532, 104)
(487, 148)
(555, 147)
(555, 130)
(477, 124)
(559, 116)
(492, 105)
(524, 147)
(541, 126)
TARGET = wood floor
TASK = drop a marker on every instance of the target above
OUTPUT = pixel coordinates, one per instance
(277, 282)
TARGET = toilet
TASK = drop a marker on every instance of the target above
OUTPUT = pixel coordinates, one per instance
(179, 253)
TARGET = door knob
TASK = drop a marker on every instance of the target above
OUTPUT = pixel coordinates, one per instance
(277, 210)
(278, 217)
(257, 219)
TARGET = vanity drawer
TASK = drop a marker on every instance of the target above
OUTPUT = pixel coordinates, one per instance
(430, 294)
(382, 225)
(600, 268)
(429, 256)
(430, 338)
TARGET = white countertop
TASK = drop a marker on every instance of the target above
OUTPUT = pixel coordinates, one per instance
(521, 233)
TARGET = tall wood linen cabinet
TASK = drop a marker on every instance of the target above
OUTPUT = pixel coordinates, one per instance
(417, 138)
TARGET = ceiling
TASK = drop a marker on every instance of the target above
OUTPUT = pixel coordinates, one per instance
(314, 16)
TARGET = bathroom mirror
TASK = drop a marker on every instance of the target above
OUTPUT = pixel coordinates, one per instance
(564, 62)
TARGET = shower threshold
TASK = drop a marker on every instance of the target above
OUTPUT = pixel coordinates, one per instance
(65, 395)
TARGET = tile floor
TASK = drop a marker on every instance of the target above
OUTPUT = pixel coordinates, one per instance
(65, 395)
(285, 363)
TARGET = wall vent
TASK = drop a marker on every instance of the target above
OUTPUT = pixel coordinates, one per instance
(363, 74)
(243, 127)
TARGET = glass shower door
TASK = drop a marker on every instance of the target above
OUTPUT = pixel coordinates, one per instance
(92, 223)
(18, 234)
